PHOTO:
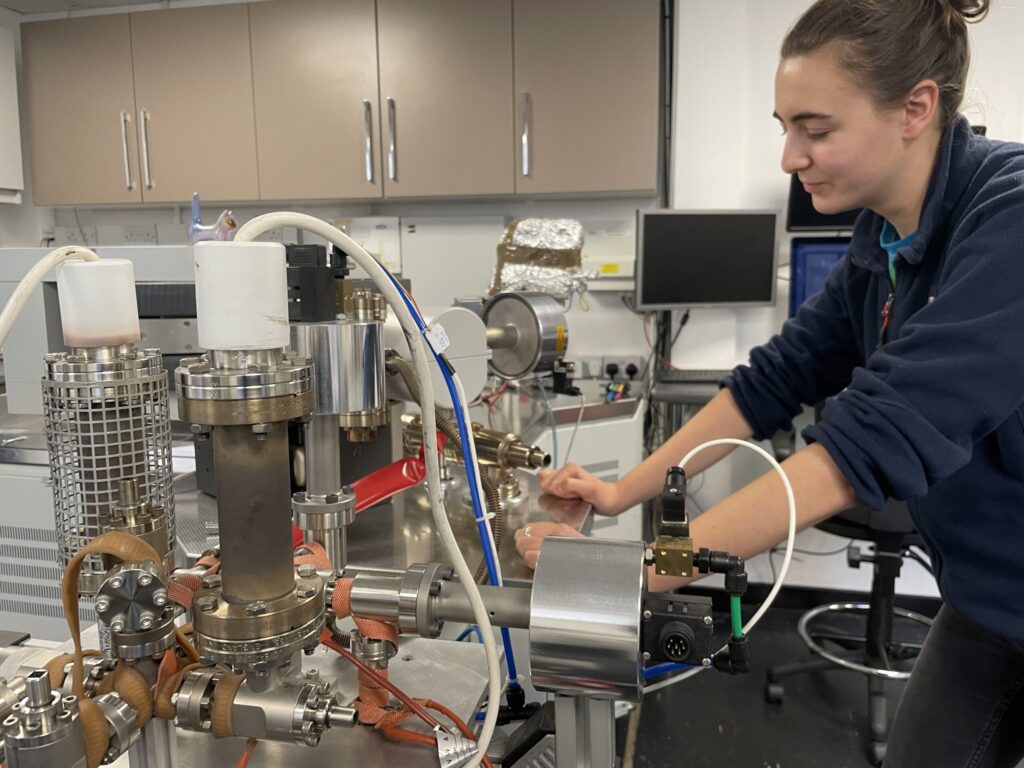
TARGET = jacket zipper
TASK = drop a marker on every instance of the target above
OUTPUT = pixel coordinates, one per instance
(886, 317)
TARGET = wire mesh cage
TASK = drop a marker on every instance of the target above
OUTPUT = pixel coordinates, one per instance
(107, 420)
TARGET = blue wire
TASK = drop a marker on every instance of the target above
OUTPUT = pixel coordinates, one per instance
(551, 418)
(472, 628)
(490, 556)
(662, 669)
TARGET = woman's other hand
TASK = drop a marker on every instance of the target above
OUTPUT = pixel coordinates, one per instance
(530, 537)
(573, 482)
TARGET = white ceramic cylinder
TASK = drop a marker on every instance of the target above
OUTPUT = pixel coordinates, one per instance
(241, 295)
(98, 307)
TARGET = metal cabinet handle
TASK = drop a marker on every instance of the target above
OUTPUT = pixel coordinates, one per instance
(368, 138)
(392, 150)
(125, 119)
(524, 138)
(147, 179)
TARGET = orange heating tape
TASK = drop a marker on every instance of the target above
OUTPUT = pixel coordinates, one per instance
(121, 545)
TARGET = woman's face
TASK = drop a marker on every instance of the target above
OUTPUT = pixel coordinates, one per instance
(845, 151)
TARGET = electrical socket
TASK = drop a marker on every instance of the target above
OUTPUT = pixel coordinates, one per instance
(140, 234)
(84, 235)
(275, 235)
(622, 362)
(588, 366)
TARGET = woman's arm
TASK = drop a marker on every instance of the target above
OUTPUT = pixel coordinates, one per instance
(719, 418)
(756, 517)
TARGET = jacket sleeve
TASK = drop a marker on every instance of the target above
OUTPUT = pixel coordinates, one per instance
(911, 416)
(809, 360)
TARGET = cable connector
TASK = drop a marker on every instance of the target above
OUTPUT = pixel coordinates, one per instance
(515, 698)
(736, 659)
(673, 547)
(733, 566)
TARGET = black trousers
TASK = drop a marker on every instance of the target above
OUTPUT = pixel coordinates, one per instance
(964, 704)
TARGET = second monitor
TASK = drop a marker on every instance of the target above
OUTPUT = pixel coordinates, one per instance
(693, 259)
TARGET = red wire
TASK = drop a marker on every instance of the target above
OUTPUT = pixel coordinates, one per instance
(647, 338)
(243, 761)
(396, 733)
(425, 716)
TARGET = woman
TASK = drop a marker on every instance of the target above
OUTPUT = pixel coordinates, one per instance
(917, 341)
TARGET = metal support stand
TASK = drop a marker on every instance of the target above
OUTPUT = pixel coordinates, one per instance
(158, 747)
(584, 732)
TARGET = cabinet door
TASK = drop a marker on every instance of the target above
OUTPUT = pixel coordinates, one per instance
(586, 95)
(80, 107)
(11, 179)
(314, 66)
(193, 85)
(446, 96)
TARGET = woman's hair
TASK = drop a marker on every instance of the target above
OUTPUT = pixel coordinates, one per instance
(888, 46)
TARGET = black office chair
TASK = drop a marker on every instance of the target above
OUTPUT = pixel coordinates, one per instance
(875, 653)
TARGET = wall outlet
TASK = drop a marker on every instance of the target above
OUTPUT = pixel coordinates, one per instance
(84, 235)
(140, 234)
(275, 235)
(588, 366)
(619, 367)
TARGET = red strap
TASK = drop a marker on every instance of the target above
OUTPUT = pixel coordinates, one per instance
(388, 481)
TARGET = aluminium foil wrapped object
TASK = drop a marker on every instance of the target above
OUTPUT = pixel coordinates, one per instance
(540, 255)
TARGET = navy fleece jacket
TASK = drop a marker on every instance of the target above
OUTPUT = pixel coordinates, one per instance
(930, 408)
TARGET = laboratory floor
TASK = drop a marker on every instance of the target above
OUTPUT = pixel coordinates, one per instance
(716, 720)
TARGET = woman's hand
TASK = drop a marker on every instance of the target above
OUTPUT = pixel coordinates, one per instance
(530, 537)
(573, 482)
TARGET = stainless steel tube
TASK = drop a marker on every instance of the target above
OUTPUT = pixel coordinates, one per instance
(323, 478)
(376, 595)
(253, 512)
(380, 595)
(507, 606)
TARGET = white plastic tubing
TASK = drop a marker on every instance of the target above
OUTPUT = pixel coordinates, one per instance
(790, 539)
(377, 273)
(33, 278)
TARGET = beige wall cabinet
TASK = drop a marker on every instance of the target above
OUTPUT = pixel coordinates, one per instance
(11, 179)
(314, 66)
(80, 107)
(446, 97)
(344, 99)
(193, 87)
(142, 107)
(586, 80)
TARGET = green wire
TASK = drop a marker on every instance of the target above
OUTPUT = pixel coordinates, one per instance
(737, 619)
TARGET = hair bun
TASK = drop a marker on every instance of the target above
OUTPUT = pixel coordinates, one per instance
(971, 10)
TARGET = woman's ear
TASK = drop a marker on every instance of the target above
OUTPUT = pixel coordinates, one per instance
(920, 108)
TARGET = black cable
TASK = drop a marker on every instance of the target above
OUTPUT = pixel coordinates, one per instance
(682, 322)
(908, 552)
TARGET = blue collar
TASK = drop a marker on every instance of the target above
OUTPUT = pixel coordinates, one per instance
(944, 190)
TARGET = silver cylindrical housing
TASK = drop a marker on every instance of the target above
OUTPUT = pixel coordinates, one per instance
(107, 420)
(585, 615)
(526, 332)
(348, 364)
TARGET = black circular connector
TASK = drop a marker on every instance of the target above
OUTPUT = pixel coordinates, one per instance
(676, 641)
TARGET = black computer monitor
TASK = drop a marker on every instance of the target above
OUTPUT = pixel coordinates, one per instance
(801, 216)
(694, 259)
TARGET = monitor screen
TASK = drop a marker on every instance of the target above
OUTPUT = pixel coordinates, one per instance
(801, 216)
(705, 259)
